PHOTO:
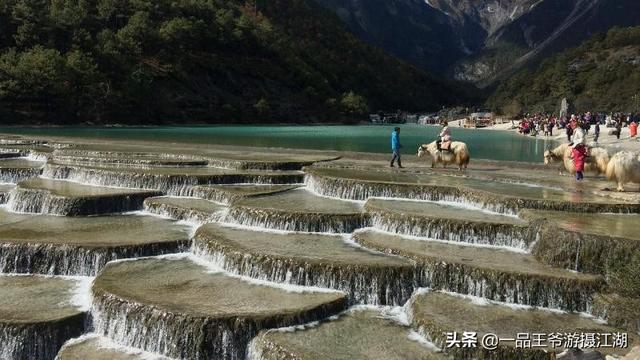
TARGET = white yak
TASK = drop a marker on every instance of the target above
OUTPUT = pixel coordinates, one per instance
(596, 161)
(458, 155)
(623, 168)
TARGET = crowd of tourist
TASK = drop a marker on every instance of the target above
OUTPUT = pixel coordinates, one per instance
(545, 124)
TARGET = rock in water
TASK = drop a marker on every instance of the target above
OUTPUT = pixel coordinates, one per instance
(37, 316)
(58, 245)
(177, 308)
(57, 197)
(358, 334)
(298, 210)
(309, 260)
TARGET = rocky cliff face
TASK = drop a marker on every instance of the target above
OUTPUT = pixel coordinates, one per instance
(481, 41)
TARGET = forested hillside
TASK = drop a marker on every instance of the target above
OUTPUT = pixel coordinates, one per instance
(602, 74)
(187, 61)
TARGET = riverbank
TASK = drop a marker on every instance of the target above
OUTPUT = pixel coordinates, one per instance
(608, 141)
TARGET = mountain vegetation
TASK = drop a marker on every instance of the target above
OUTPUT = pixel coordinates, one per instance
(602, 74)
(190, 61)
(481, 41)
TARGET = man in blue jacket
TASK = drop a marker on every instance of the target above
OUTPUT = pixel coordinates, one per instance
(395, 146)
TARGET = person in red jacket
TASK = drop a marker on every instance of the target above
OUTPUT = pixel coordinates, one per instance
(579, 153)
(633, 129)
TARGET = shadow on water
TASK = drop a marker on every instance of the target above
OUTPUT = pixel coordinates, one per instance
(496, 145)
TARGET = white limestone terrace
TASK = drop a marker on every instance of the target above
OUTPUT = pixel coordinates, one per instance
(228, 255)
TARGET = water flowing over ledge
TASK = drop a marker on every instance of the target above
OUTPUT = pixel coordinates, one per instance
(37, 316)
(55, 197)
(309, 260)
(172, 181)
(215, 330)
(489, 273)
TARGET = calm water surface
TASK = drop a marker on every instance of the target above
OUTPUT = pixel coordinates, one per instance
(484, 144)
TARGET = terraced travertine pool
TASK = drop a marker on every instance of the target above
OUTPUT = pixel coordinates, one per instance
(113, 250)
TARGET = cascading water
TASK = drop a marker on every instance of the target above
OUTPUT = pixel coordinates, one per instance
(60, 259)
(41, 341)
(15, 175)
(296, 221)
(390, 285)
(493, 234)
(177, 184)
(25, 200)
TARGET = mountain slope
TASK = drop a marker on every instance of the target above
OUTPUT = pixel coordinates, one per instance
(602, 74)
(195, 61)
(481, 41)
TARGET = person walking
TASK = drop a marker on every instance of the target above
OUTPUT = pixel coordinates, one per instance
(633, 129)
(618, 130)
(596, 132)
(396, 146)
(579, 153)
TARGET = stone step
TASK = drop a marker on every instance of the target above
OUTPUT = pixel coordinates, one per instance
(503, 197)
(298, 210)
(228, 194)
(435, 314)
(173, 180)
(94, 347)
(451, 223)
(183, 208)
(361, 333)
(19, 169)
(178, 308)
(495, 274)
(33, 152)
(70, 156)
(58, 245)
(584, 242)
(68, 198)
(37, 315)
(223, 157)
(310, 260)
(619, 311)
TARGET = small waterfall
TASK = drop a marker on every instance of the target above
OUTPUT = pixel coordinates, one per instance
(363, 190)
(258, 165)
(590, 253)
(364, 284)
(16, 175)
(510, 288)
(25, 200)
(213, 194)
(59, 259)
(187, 337)
(38, 341)
(296, 221)
(180, 213)
(494, 234)
(499, 203)
(171, 184)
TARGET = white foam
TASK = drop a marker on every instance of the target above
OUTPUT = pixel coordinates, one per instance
(479, 301)
(450, 242)
(106, 343)
(82, 297)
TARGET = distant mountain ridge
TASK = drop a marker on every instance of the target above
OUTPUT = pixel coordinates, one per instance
(481, 41)
(602, 74)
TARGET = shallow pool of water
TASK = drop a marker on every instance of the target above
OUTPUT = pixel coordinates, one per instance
(484, 144)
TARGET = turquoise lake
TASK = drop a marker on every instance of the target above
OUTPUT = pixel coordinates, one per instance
(484, 144)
